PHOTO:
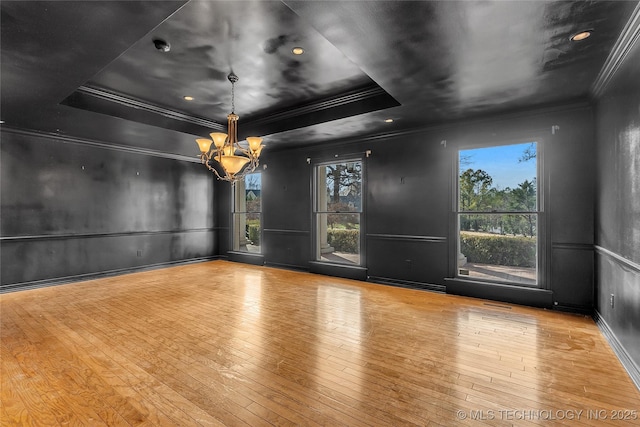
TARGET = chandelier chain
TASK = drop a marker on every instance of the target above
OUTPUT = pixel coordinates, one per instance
(233, 97)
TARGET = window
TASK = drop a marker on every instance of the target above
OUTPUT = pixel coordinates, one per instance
(497, 212)
(247, 214)
(338, 211)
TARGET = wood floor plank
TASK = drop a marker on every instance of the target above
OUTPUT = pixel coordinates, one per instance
(111, 374)
(14, 411)
(26, 385)
(64, 375)
(213, 398)
(220, 343)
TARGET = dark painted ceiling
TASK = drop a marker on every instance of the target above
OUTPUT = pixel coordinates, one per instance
(90, 69)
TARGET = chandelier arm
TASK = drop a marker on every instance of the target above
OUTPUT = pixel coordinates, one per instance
(240, 175)
(217, 174)
(206, 163)
(205, 157)
(212, 169)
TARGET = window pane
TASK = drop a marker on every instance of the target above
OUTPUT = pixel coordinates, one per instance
(502, 179)
(339, 237)
(247, 231)
(340, 187)
(499, 247)
(247, 214)
(253, 190)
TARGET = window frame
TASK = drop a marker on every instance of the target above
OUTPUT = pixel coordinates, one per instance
(315, 212)
(542, 192)
(235, 246)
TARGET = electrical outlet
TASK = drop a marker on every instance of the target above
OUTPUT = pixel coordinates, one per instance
(612, 300)
(139, 253)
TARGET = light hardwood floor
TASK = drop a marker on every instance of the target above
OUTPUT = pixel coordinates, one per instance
(222, 343)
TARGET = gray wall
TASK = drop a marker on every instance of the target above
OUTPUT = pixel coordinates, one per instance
(126, 210)
(618, 210)
(73, 210)
(409, 190)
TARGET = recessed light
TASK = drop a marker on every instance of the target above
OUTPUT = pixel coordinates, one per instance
(388, 121)
(297, 50)
(580, 36)
(188, 98)
(1, 122)
(161, 45)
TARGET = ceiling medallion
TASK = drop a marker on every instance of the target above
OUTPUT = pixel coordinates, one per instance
(235, 160)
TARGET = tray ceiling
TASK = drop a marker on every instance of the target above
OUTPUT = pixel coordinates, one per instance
(90, 69)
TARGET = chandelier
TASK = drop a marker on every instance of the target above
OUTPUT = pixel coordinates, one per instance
(235, 160)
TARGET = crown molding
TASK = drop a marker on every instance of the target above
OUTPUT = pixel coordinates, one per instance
(627, 39)
(141, 105)
(98, 144)
(576, 105)
(356, 95)
(355, 101)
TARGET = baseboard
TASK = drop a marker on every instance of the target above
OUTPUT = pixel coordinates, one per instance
(283, 266)
(338, 270)
(407, 284)
(36, 284)
(578, 309)
(245, 257)
(629, 365)
(513, 294)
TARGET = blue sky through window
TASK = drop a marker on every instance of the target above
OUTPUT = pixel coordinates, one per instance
(502, 163)
(253, 181)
